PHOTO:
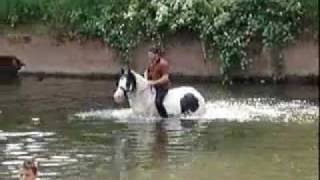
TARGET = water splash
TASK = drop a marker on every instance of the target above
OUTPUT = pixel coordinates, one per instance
(119, 115)
(243, 110)
(106, 114)
(257, 109)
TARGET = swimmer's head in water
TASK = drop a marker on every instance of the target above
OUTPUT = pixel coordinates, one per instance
(28, 171)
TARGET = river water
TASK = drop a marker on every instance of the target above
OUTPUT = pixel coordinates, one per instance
(75, 131)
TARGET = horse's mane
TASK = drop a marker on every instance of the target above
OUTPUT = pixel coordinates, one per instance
(132, 79)
(138, 76)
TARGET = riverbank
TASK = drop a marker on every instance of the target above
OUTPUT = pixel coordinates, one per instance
(47, 56)
(247, 41)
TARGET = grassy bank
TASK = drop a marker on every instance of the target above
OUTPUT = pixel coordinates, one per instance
(228, 26)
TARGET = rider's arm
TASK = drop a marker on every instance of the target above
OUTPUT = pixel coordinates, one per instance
(164, 79)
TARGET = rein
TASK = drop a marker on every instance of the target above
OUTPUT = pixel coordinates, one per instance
(126, 92)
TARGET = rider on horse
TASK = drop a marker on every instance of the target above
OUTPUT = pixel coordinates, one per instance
(157, 73)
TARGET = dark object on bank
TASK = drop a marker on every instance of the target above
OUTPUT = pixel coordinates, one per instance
(9, 66)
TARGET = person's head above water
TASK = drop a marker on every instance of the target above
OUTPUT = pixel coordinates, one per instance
(28, 170)
(154, 53)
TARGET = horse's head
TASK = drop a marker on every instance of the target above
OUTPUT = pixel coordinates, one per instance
(126, 84)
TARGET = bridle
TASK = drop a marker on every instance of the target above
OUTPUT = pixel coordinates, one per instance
(124, 91)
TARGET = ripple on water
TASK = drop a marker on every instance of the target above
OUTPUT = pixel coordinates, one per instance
(15, 146)
(12, 162)
(31, 134)
(27, 145)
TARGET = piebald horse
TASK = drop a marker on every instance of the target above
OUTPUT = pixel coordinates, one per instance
(184, 100)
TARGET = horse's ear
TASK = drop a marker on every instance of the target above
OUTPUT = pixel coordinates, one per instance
(122, 71)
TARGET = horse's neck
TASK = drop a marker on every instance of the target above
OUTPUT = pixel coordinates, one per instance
(141, 82)
(143, 97)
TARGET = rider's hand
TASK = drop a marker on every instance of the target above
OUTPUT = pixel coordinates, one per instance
(151, 83)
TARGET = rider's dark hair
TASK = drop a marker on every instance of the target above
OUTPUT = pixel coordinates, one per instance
(156, 50)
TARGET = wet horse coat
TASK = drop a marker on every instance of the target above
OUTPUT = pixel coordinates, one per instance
(141, 96)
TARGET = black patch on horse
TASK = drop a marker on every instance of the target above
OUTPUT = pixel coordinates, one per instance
(131, 82)
(118, 76)
(189, 103)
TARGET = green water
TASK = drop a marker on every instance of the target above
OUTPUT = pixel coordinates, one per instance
(250, 132)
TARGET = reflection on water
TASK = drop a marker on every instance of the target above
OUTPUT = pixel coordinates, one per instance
(248, 132)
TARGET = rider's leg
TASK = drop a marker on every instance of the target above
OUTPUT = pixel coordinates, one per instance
(161, 93)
